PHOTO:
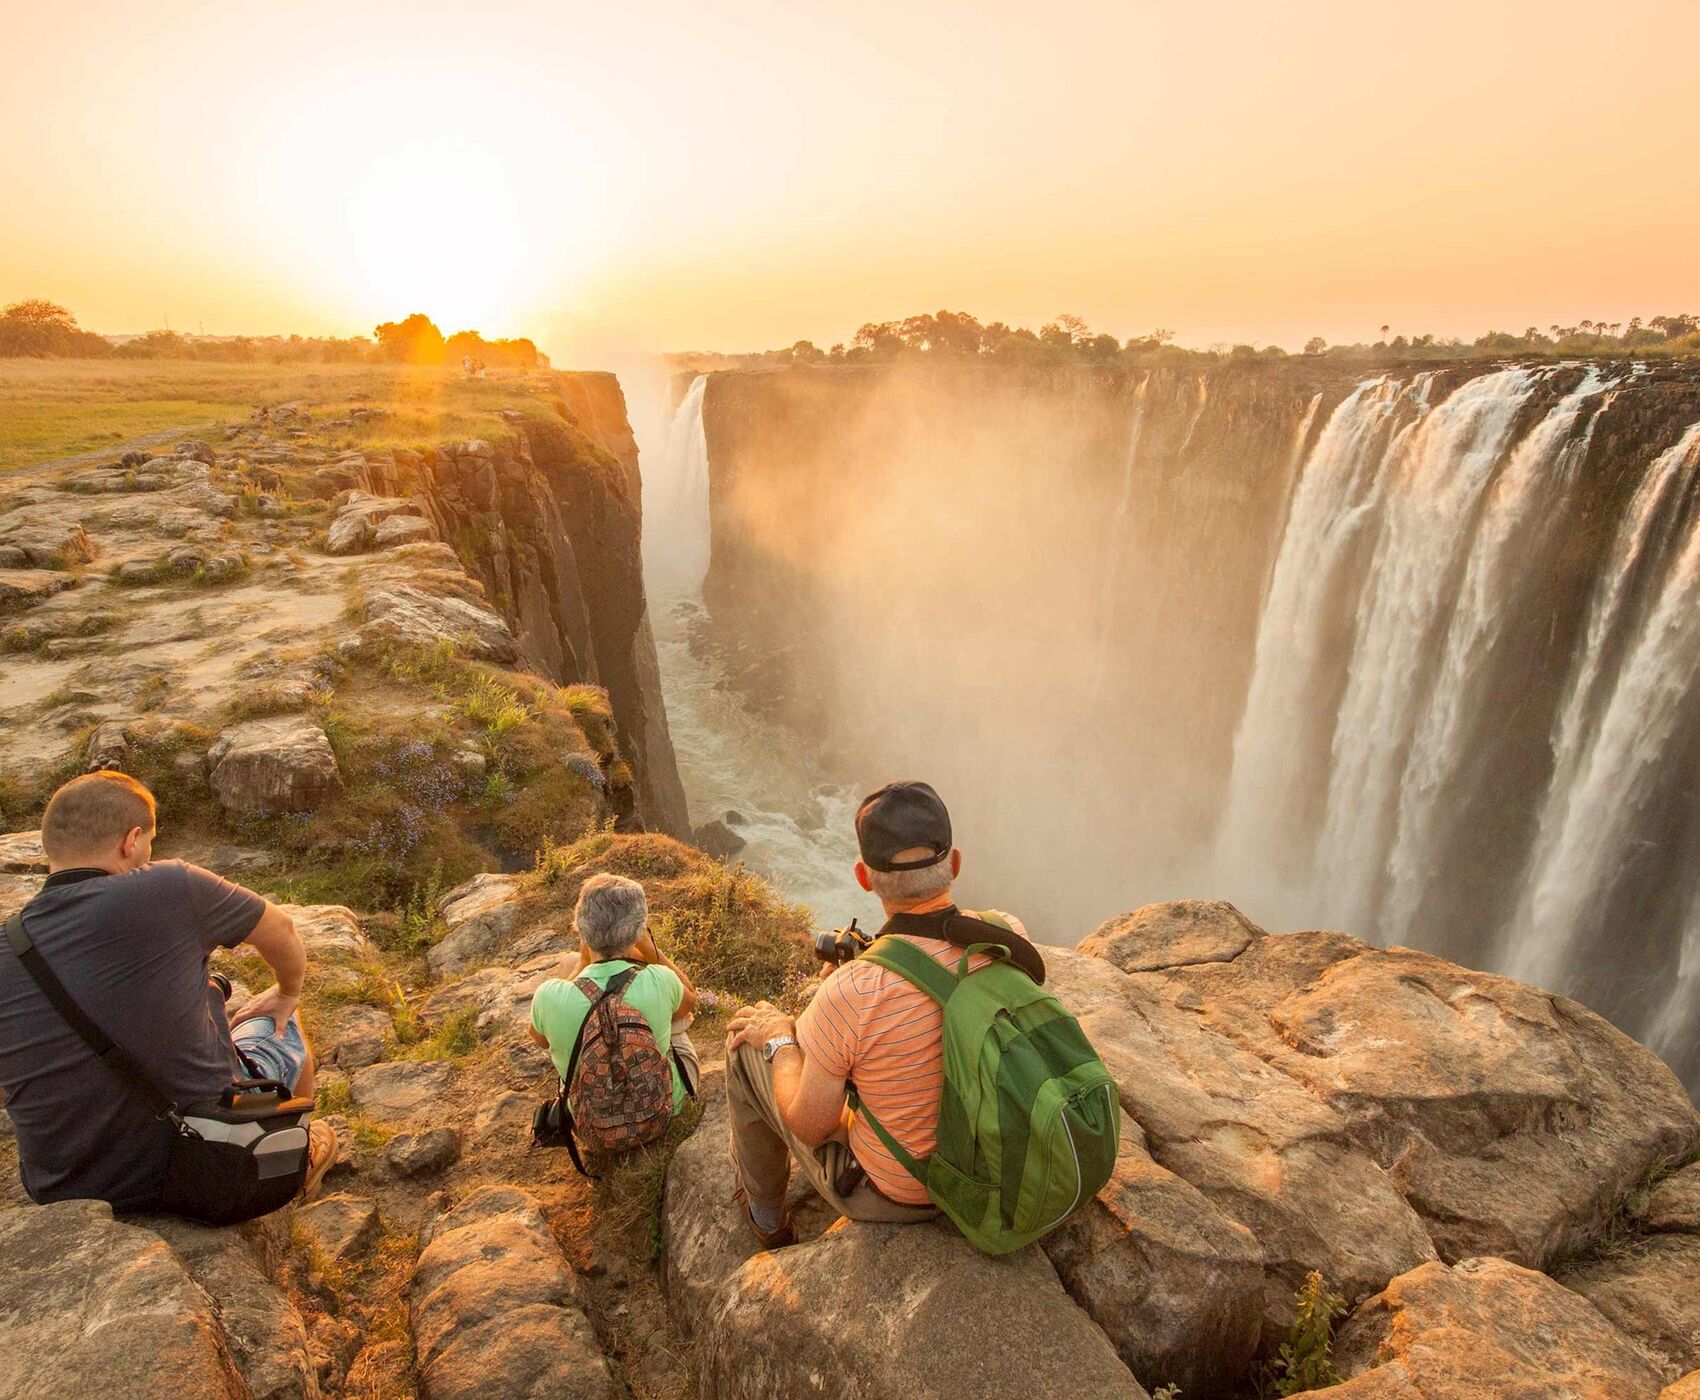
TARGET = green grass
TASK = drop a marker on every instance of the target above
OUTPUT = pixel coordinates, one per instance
(61, 408)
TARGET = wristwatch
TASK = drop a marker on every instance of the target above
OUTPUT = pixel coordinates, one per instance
(771, 1049)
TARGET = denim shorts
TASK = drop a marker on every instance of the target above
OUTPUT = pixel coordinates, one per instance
(269, 1053)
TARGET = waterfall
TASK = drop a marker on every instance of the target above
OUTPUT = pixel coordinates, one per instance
(1522, 505)
(1613, 745)
(1115, 542)
(797, 825)
(676, 529)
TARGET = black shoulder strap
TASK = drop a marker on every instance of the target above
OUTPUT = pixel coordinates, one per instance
(958, 929)
(106, 1050)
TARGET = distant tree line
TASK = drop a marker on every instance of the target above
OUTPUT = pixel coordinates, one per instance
(955, 335)
(46, 330)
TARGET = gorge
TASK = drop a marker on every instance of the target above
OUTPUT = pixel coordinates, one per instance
(1410, 652)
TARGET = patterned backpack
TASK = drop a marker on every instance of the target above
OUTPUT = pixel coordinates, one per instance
(618, 1090)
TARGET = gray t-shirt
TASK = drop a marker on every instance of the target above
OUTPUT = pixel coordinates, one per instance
(132, 951)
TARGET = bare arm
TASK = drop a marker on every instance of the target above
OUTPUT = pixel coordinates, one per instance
(274, 938)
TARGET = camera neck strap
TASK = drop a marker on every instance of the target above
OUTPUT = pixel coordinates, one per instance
(962, 931)
(106, 1050)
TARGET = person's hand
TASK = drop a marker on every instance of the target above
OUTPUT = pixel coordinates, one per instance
(758, 1024)
(271, 1002)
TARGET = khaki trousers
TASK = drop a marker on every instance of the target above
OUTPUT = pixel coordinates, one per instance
(690, 1065)
(763, 1149)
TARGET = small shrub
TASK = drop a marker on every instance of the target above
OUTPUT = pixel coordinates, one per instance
(453, 1039)
(332, 1096)
(494, 706)
(1305, 1360)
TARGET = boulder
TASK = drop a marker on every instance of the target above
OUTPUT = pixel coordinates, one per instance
(1651, 1289)
(353, 1037)
(21, 852)
(356, 524)
(1176, 934)
(17, 891)
(24, 588)
(267, 766)
(504, 1121)
(421, 1154)
(202, 497)
(328, 929)
(265, 1333)
(342, 1228)
(89, 1306)
(45, 542)
(1261, 1148)
(402, 1090)
(481, 915)
(407, 613)
(195, 450)
(914, 1312)
(1514, 1122)
(1672, 1204)
(108, 747)
(494, 1308)
(1486, 1327)
(718, 840)
(1688, 1388)
(403, 529)
(703, 1241)
(1159, 1268)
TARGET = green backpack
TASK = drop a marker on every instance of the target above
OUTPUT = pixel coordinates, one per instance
(1028, 1123)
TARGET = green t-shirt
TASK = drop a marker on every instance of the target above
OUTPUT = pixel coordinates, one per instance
(558, 1009)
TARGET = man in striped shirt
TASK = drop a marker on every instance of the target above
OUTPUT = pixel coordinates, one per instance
(867, 1026)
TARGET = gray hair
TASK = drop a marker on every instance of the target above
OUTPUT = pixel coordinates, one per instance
(611, 913)
(912, 886)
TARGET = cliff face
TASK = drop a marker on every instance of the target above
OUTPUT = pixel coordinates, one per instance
(551, 522)
(1376, 650)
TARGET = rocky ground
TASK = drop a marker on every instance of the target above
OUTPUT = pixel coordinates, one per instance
(1502, 1190)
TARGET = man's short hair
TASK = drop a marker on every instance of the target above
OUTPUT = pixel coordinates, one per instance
(912, 886)
(95, 812)
(611, 913)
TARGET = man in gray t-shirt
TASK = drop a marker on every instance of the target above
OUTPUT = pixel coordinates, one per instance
(130, 939)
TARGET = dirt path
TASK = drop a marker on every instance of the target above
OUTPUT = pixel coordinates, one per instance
(115, 451)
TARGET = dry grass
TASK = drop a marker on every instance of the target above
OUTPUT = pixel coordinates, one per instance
(60, 408)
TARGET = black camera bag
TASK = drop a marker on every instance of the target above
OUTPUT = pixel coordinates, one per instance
(241, 1155)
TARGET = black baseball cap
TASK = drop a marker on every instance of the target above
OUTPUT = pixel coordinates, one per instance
(899, 817)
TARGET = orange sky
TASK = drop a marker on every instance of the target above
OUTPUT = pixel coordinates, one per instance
(613, 177)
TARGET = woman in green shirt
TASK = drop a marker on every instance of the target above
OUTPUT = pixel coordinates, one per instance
(611, 918)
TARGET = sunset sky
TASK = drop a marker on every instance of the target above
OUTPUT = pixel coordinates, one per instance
(731, 174)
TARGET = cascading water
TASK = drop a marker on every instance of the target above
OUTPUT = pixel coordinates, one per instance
(797, 826)
(1614, 746)
(1405, 605)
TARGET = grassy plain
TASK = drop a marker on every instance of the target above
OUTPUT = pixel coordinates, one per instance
(51, 409)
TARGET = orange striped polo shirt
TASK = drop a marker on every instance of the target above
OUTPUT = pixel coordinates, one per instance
(869, 1025)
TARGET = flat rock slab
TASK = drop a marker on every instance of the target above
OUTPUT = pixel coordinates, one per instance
(1651, 1290)
(1487, 1327)
(1158, 1267)
(421, 1154)
(341, 1227)
(89, 1306)
(481, 914)
(21, 853)
(411, 614)
(1175, 934)
(401, 1091)
(266, 1335)
(23, 588)
(328, 928)
(494, 1308)
(353, 1037)
(903, 1312)
(284, 764)
(1515, 1123)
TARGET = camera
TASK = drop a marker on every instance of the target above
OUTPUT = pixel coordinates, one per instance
(842, 944)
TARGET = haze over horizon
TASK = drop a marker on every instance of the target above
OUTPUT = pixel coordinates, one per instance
(736, 177)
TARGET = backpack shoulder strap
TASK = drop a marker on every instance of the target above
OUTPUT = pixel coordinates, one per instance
(899, 955)
(105, 1049)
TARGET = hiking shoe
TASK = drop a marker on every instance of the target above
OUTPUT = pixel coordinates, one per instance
(776, 1238)
(321, 1157)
